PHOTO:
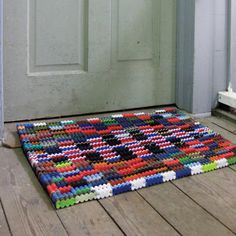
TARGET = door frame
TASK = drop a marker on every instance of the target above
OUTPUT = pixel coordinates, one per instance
(1, 73)
(202, 54)
(196, 48)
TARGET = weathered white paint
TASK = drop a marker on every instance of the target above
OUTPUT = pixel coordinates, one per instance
(44, 80)
(201, 115)
(138, 22)
(228, 98)
(56, 43)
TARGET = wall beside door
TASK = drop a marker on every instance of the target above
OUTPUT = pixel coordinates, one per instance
(202, 54)
(1, 71)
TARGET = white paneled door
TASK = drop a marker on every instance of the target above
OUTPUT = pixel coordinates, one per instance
(83, 56)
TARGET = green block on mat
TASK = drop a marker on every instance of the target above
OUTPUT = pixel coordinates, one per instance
(209, 167)
(58, 204)
(64, 164)
(185, 160)
(68, 122)
(175, 154)
(232, 161)
(83, 191)
(55, 180)
(68, 202)
(65, 203)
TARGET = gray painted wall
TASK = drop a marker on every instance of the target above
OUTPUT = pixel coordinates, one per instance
(1, 70)
(185, 53)
(210, 59)
(205, 57)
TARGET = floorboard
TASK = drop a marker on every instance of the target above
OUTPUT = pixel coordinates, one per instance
(4, 228)
(214, 191)
(225, 124)
(26, 206)
(197, 205)
(30, 212)
(88, 219)
(183, 213)
(233, 167)
(217, 128)
(135, 216)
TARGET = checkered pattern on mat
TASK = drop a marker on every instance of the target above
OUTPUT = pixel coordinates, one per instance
(77, 161)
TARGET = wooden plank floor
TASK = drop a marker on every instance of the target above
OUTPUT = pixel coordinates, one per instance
(196, 205)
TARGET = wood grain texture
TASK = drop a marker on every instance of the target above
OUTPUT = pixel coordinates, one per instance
(11, 138)
(223, 123)
(88, 219)
(184, 214)
(198, 205)
(4, 229)
(223, 131)
(26, 205)
(214, 191)
(30, 212)
(233, 167)
(135, 216)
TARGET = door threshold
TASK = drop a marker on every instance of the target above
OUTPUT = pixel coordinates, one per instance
(227, 98)
(102, 113)
(219, 112)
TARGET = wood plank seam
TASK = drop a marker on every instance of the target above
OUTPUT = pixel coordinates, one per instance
(112, 218)
(203, 208)
(8, 225)
(232, 169)
(164, 218)
(63, 225)
(232, 132)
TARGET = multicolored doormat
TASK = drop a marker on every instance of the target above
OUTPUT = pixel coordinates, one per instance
(77, 161)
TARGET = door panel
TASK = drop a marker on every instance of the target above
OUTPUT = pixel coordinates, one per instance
(134, 29)
(56, 38)
(82, 56)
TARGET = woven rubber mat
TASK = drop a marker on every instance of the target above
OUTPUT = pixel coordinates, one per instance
(77, 161)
